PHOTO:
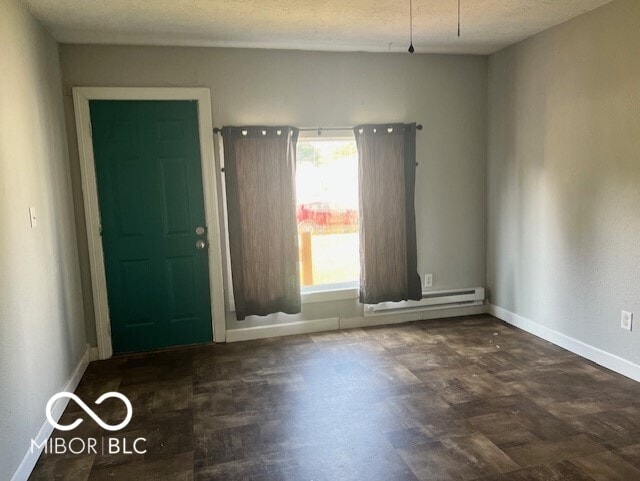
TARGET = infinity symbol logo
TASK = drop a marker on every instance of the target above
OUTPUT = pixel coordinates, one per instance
(89, 411)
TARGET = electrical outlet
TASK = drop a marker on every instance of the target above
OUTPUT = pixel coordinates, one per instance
(428, 280)
(626, 320)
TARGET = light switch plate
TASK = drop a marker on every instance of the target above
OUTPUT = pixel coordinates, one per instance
(32, 217)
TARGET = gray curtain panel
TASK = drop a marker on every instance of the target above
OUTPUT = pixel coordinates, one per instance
(260, 165)
(387, 175)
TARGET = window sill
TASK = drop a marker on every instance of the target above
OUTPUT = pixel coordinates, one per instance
(326, 293)
(335, 292)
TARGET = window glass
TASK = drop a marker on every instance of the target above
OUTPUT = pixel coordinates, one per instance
(327, 211)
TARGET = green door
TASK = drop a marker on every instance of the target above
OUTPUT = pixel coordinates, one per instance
(147, 157)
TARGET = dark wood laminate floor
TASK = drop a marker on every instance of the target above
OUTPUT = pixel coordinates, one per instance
(456, 399)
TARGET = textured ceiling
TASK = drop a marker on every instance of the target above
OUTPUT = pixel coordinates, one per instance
(352, 25)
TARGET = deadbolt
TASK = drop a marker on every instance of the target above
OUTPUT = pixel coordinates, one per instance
(199, 230)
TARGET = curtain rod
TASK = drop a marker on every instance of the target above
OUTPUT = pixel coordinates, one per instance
(218, 130)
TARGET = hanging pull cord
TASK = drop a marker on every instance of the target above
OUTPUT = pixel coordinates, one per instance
(411, 49)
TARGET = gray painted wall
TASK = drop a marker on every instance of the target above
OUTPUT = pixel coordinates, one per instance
(42, 336)
(564, 178)
(447, 94)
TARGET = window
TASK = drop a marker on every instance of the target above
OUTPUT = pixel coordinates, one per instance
(327, 212)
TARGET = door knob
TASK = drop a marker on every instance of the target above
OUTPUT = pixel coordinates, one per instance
(201, 245)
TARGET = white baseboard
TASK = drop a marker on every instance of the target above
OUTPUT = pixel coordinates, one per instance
(603, 358)
(402, 317)
(31, 458)
(335, 323)
(288, 329)
(93, 354)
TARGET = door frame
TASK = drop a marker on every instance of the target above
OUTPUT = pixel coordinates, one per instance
(81, 98)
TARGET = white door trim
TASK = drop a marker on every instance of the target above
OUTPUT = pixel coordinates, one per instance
(81, 97)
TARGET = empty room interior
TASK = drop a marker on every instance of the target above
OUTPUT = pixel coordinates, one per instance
(320, 240)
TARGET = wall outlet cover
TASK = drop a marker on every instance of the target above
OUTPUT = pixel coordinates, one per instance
(626, 320)
(428, 280)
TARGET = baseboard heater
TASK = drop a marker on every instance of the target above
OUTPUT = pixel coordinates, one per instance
(430, 300)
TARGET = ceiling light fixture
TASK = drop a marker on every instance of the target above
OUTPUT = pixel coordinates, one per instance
(411, 49)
